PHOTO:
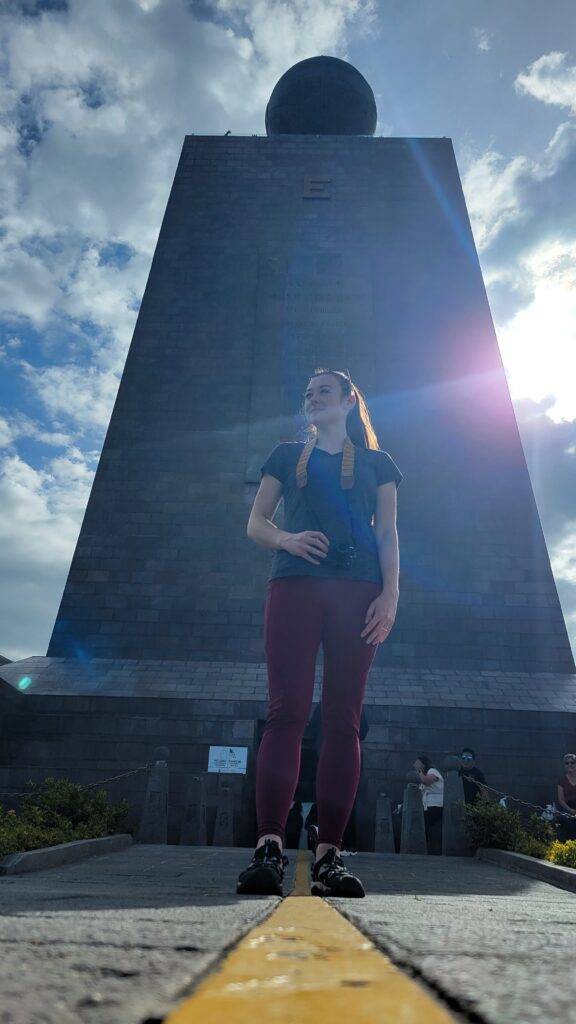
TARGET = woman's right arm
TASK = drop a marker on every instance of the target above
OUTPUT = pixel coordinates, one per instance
(561, 800)
(429, 778)
(260, 528)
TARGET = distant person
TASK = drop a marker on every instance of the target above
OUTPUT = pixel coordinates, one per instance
(472, 778)
(432, 789)
(566, 797)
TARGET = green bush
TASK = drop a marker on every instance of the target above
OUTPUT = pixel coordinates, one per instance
(563, 853)
(539, 832)
(532, 847)
(59, 811)
(489, 824)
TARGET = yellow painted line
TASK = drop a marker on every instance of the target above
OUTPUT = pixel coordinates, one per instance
(306, 964)
(302, 878)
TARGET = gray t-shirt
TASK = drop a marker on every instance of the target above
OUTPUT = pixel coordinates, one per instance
(341, 514)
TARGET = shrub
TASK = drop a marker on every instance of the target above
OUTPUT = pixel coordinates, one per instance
(539, 832)
(563, 853)
(489, 824)
(59, 811)
(532, 847)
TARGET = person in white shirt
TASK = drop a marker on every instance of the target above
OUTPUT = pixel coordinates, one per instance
(432, 789)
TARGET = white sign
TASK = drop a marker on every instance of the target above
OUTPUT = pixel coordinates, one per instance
(228, 759)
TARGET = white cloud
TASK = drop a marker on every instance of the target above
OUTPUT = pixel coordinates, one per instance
(538, 344)
(110, 94)
(482, 39)
(7, 435)
(551, 80)
(40, 516)
(282, 33)
(490, 186)
(95, 107)
(81, 394)
(523, 213)
(18, 425)
(27, 286)
(521, 208)
(563, 561)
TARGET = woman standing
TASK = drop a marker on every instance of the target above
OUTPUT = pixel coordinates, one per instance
(334, 582)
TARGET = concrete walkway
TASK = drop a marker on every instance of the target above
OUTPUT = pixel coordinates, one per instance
(495, 943)
(126, 936)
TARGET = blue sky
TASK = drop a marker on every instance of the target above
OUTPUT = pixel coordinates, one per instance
(95, 99)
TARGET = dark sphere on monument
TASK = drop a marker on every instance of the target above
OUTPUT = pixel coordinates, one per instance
(321, 96)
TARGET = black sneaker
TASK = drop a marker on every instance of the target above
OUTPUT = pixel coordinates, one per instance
(265, 872)
(330, 877)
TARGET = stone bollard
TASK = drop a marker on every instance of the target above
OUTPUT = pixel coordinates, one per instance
(154, 821)
(384, 834)
(413, 838)
(193, 830)
(224, 823)
(454, 841)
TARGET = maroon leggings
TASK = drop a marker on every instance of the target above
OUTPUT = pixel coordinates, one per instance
(302, 612)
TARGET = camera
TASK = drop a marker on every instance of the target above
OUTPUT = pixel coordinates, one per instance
(341, 556)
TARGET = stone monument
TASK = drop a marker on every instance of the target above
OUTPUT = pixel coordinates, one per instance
(319, 243)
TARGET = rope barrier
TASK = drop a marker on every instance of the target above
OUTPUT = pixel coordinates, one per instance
(517, 800)
(145, 767)
(90, 785)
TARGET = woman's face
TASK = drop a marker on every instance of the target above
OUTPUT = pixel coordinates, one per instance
(570, 762)
(419, 767)
(324, 402)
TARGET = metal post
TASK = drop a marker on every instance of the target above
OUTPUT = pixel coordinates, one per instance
(193, 829)
(454, 841)
(413, 839)
(224, 824)
(384, 834)
(154, 821)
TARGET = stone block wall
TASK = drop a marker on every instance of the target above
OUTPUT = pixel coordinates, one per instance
(88, 739)
(92, 738)
(254, 283)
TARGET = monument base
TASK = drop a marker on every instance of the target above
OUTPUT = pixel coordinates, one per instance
(92, 720)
